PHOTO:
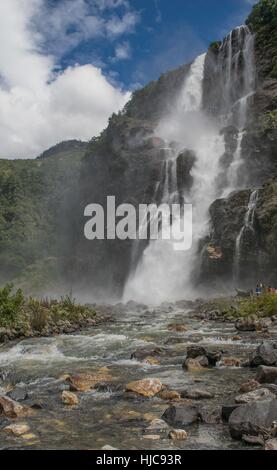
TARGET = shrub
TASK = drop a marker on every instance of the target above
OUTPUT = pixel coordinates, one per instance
(38, 315)
(10, 305)
(35, 315)
(269, 119)
(215, 45)
(263, 306)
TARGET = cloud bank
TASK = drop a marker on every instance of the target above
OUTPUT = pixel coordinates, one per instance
(40, 105)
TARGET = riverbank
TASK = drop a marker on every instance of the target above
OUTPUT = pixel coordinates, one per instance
(249, 313)
(22, 317)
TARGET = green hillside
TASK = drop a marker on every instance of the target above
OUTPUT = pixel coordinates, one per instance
(34, 199)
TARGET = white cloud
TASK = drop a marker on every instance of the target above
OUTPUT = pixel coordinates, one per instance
(39, 108)
(69, 22)
(104, 4)
(121, 25)
(122, 51)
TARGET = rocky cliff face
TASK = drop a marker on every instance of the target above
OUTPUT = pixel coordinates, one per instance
(258, 258)
(257, 246)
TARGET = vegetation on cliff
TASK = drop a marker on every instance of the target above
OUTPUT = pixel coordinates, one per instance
(34, 199)
(263, 21)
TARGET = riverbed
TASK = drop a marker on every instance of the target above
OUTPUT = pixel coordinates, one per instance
(109, 416)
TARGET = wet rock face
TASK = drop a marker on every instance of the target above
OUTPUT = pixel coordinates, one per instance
(253, 418)
(258, 255)
(185, 162)
(258, 153)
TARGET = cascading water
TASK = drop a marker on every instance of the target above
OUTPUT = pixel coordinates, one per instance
(163, 274)
(237, 72)
(248, 225)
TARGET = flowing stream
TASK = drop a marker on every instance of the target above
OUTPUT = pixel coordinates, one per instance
(107, 416)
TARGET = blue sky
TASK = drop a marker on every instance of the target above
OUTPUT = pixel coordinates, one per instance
(166, 33)
(67, 65)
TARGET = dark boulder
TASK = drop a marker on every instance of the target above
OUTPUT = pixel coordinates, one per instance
(253, 419)
(181, 415)
(214, 356)
(142, 354)
(265, 355)
(246, 324)
(227, 410)
(195, 351)
(267, 375)
(204, 356)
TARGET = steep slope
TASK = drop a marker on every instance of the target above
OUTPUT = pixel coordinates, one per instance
(35, 200)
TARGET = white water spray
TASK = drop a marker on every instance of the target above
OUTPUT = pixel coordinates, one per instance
(248, 225)
(163, 273)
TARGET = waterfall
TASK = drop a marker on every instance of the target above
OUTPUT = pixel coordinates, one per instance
(162, 273)
(237, 72)
(248, 225)
(233, 176)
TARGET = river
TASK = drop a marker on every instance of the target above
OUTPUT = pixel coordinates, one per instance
(111, 417)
